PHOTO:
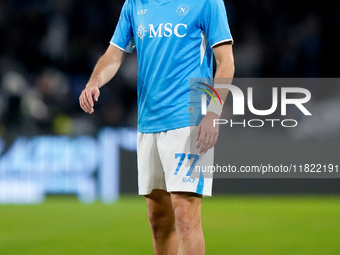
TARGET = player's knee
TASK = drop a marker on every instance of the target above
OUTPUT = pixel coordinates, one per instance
(185, 223)
(161, 223)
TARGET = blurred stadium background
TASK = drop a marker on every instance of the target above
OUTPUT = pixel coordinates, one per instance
(47, 52)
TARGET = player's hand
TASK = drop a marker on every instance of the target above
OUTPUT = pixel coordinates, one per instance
(207, 134)
(87, 98)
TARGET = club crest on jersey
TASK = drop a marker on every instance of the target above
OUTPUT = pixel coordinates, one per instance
(182, 10)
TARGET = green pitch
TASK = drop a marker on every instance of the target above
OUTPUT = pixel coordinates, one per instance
(241, 225)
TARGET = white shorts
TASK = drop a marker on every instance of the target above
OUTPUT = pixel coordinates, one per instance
(166, 161)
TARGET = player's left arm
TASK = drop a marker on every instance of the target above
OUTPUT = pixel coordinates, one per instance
(207, 134)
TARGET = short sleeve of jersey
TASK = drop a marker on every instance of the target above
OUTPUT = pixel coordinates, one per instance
(215, 23)
(123, 35)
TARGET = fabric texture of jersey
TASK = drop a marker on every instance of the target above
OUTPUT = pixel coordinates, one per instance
(173, 39)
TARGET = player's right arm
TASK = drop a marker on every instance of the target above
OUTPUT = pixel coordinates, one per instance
(104, 71)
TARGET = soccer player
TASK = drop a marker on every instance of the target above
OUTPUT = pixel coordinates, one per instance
(175, 41)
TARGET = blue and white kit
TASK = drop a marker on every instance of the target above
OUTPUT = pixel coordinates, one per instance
(174, 40)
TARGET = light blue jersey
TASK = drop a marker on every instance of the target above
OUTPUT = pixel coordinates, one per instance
(173, 39)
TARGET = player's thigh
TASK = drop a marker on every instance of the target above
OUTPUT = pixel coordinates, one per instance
(187, 207)
(160, 210)
(150, 169)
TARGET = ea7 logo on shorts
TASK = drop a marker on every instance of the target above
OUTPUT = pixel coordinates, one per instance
(188, 180)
